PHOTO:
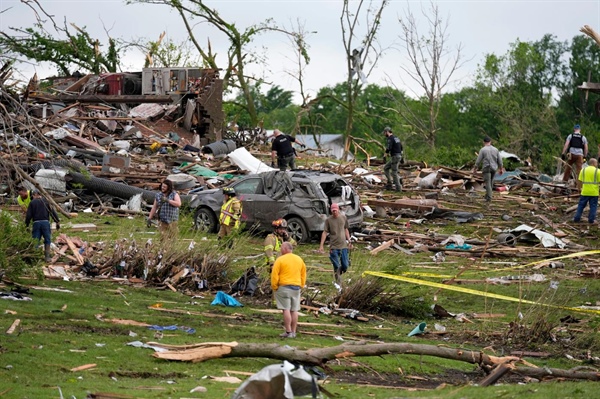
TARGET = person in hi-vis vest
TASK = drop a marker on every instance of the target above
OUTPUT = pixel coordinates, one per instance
(231, 212)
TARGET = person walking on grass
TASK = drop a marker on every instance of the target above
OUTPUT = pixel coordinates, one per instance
(288, 277)
(39, 211)
(490, 160)
(166, 207)
(336, 226)
(588, 183)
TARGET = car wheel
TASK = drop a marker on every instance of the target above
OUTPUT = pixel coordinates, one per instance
(205, 221)
(298, 230)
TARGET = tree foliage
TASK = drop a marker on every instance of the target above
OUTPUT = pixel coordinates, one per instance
(78, 50)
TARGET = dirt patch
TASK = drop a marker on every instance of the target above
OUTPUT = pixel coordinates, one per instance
(146, 374)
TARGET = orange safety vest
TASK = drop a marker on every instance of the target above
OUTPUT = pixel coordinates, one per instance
(227, 213)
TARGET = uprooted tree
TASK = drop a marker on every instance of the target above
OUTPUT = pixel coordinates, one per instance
(320, 356)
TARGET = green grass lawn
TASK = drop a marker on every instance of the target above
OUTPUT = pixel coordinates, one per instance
(62, 330)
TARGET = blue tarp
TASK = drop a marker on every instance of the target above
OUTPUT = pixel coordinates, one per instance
(226, 300)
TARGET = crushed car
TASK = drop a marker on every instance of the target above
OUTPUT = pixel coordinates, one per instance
(300, 197)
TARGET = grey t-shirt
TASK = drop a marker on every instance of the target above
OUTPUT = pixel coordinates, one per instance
(490, 157)
(575, 150)
(336, 227)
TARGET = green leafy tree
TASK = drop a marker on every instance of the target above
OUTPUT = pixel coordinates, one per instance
(521, 84)
(76, 50)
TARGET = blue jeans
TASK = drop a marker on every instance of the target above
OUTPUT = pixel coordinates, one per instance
(339, 259)
(41, 228)
(583, 201)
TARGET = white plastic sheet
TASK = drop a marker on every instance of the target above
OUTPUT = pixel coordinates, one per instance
(246, 161)
(547, 239)
(278, 381)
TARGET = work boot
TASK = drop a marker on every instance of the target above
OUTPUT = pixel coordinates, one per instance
(47, 256)
(388, 186)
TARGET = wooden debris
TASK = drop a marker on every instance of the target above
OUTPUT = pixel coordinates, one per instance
(13, 326)
(84, 367)
(382, 247)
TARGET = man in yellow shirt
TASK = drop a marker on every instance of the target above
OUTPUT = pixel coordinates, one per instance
(588, 182)
(287, 279)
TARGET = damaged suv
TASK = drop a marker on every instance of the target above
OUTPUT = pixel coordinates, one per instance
(301, 197)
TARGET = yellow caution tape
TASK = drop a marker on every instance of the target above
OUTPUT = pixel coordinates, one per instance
(474, 292)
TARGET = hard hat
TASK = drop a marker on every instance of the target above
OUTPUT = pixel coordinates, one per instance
(229, 191)
(280, 223)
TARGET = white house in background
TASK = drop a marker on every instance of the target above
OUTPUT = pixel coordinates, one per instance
(332, 145)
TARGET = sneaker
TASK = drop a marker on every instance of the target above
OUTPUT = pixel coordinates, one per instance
(337, 286)
(287, 335)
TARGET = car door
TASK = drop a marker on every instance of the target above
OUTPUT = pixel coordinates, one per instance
(248, 191)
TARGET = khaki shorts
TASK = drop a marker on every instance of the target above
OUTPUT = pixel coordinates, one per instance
(287, 299)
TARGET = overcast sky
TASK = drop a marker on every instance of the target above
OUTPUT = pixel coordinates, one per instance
(481, 26)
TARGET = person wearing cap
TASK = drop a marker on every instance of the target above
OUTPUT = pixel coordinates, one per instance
(39, 211)
(231, 213)
(336, 226)
(283, 150)
(588, 184)
(24, 198)
(490, 160)
(574, 151)
(166, 207)
(396, 152)
(274, 240)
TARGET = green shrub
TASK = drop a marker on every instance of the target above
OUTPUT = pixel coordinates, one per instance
(19, 254)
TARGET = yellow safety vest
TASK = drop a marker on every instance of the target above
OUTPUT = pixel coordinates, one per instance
(228, 213)
(273, 248)
(589, 181)
(24, 203)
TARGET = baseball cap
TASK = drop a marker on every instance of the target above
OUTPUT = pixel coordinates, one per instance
(487, 139)
(335, 207)
(35, 191)
(577, 127)
(387, 129)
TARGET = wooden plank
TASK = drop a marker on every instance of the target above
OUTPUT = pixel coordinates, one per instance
(382, 247)
(84, 367)
(419, 205)
(74, 250)
(13, 326)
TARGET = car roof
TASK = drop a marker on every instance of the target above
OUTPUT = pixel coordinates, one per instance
(307, 175)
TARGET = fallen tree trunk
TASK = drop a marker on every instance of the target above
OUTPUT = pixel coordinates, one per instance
(320, 356)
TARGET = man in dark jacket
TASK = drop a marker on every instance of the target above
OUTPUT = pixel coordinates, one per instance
(283, 150)
(39, 212)
(396, 152)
